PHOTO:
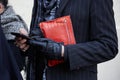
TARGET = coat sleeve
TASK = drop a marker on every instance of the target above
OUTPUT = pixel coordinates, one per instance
(103, 44)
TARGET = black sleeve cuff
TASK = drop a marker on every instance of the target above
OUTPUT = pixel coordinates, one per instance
(65, 53)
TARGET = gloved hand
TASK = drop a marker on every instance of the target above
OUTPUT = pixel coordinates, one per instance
(48, 47)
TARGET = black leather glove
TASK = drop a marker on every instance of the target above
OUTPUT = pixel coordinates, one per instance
(50, 48)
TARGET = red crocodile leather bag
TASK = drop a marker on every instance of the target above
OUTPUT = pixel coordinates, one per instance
(59, 30)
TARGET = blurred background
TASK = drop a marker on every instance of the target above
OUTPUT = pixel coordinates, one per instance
(109, 70)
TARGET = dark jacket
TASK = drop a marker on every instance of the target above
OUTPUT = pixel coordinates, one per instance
(18, 54)
(95, 34)
(11, 22)
(8, 67)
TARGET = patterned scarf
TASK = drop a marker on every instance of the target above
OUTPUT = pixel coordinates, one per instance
(49, 7)
(43, 10)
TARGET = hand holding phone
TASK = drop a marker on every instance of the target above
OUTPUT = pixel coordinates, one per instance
(20, 35)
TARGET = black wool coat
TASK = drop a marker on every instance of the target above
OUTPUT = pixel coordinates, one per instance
(8, 67)
(96, 40)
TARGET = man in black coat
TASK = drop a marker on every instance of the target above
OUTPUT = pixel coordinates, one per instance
(96, 41)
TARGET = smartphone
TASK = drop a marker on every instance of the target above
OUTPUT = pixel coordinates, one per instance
(20, 35)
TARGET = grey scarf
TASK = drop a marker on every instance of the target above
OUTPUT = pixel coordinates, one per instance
(11, 22)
